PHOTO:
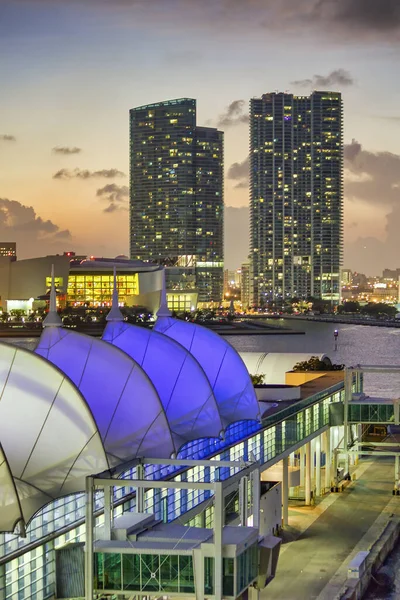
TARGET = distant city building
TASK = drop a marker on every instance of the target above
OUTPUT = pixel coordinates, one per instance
(8, 249)
(245, 285)
(176, 197)
(346, 277)
(391, 274)
(296, 205)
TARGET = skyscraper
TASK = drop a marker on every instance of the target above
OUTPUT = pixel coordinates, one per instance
(176, 199)
(296, 196)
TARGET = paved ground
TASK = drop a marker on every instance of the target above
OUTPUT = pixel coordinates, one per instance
(307, 564)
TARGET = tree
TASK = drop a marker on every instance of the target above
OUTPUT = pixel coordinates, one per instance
(350, 306)
(379, 309)
(257, 379)
(315, 364)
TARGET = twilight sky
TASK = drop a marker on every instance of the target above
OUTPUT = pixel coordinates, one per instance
(70, 71)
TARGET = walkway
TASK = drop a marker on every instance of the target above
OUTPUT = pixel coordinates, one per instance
(307, 564)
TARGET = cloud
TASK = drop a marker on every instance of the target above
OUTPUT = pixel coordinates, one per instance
(115, 195)
(338, 77)
(239, 171)
(373, 177)
(33, 234)
(4, 137)
(66, 150)
(337, 20)
(361, 15)
(66, 174)
(235, 114)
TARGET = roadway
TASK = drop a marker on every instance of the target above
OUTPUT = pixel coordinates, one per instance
(307, 564)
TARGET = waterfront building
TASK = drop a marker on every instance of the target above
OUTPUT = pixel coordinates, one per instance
(296, 203)
(176, 197)
(80, 281)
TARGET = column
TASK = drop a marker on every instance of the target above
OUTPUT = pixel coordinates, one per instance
(302, 456)
(396, 472)
(218, 528)
(318, 466)
(140, 490)
(307, 482)
(243, 487)
(256, 493)
(89, 525)
(108, 511)
(328, 459)
(285, 491)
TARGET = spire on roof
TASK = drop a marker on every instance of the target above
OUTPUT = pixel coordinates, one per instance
(53, 318)
(115, 314)
(163, 311)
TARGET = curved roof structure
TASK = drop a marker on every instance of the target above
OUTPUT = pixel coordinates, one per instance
(124, 402)
(225, 370)
(274, 365)
(181, 383)
(49, 439)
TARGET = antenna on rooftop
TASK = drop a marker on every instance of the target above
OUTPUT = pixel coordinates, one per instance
(163, 311)
(53, 318)
(115, 314)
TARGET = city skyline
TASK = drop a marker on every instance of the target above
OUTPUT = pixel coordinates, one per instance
(71, 74)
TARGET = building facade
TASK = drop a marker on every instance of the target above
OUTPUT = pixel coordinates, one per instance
(8, 249)
(176, 198)
(296, 197)
(87, 282)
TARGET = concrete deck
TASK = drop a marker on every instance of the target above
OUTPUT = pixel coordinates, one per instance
(325, 535)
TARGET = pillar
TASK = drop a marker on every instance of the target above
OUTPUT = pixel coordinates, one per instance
(328, 459)
(243, 493)
(256, 493)
(285, 491)
(254, 594)
(307, 482)
(108, 511)
(89, 525)
(396, 471)
(302, 457)
(318, 466)
(140, 490)
(218, 528)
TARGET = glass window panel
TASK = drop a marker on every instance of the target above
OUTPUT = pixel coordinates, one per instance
(131, 571)
(112, 571)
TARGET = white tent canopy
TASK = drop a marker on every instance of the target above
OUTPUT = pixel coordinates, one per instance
(274, 365)
(49, 439)
(181, 383)
(123, 400)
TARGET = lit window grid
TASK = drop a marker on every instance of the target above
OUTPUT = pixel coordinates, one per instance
(98, 289)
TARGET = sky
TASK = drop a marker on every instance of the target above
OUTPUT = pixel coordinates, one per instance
(71, 70)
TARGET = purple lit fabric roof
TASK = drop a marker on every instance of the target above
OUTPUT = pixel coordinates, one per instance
(123, 400)
(180, 381)
(225, 370)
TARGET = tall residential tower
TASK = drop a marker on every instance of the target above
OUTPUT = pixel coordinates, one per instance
(296, 202)
(176, 201)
